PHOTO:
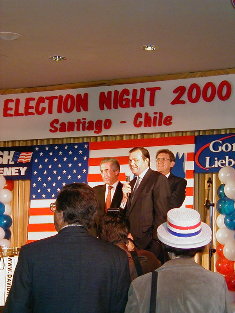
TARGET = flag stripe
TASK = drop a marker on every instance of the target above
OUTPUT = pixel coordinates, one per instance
(189, 174)
(189, 191)
(96, 161)
(47, 227)
(163, 141)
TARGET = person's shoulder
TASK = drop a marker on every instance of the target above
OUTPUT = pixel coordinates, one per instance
(98, 187)
(37, 245)
(176, 178)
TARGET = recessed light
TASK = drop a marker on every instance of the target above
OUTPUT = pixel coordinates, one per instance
(9, 36)
(150, 47)
(57, 58)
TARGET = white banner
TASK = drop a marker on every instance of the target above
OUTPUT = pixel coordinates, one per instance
(161, 106)
(7, 268)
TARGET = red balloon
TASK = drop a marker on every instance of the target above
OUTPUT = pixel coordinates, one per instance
(230, 280)
(219, 250)
(9, 185)
(224, 266)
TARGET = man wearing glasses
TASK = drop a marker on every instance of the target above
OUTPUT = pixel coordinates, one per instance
(165, 160)
(72, 271)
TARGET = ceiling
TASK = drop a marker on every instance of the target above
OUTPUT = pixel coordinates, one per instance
(103, 39)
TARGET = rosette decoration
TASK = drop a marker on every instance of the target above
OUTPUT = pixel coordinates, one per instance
(6, 188)
(225, 221)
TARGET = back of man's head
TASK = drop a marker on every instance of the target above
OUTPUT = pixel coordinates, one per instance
(114, 228)
(78, 203)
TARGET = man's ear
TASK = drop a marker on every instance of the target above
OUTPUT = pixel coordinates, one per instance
(172, 164)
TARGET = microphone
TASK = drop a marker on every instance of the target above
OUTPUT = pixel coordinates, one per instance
(128, 179)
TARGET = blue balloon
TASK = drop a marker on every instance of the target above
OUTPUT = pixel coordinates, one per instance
(7, 234)
(5, 221)
(2, 208)
(225, 206)
(220, 191)
(229, 221)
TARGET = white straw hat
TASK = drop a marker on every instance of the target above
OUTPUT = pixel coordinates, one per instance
(184, 229)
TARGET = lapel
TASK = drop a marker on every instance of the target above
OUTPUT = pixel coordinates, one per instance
(138, 194)
(102, 197)
(117, 197)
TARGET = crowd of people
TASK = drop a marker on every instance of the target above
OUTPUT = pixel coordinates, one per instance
(112, 241)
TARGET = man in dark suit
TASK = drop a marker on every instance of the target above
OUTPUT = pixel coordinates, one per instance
(165, 161)
(147, 201)
(109, 195)
(71, 272)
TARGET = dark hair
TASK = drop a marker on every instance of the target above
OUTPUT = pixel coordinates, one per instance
(78, 203)
(167, 151)
(184, 252)
(145, 152)
(114, 228)
(114, 162)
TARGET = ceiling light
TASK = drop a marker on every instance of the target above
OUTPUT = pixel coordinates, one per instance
(150, 47)
(9, 36)
(57, 58)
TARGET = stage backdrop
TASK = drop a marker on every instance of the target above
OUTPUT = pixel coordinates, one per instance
(150, 107)
(56, 165)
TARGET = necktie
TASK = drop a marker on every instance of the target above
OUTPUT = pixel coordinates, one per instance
(108, 199)
(136, 185)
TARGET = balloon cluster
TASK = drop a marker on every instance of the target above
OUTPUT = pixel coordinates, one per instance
(225, 221)
(6, 188)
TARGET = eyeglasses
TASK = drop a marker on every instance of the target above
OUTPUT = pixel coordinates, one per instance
(53, 207)
(162, 159)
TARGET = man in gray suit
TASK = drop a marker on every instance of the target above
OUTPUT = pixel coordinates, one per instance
(182, 285)
(71, 272)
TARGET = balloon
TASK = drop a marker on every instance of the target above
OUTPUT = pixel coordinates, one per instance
(9, 185)
(7, 234)
(230, 280)
(229, 190)
(2, 208)
(2, 181)
(5, 243)
(229, 250)
(224, 266)
(5, 221)
(220, 221)
(7, 209)
(226, 173)
(2, 233)
(225, 206)
(220, 191)
(229, 221)
(5, 196)
(219, 250)
(224, 235)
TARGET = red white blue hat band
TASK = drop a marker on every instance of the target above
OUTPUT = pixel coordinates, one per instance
(184, 229)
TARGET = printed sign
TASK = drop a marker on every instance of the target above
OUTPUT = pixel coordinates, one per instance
(15, 162)
(213, 152)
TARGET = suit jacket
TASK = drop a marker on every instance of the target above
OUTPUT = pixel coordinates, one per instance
(71, 272)
(148, 207)
(100, 195)
(178, 190)
(183, 286)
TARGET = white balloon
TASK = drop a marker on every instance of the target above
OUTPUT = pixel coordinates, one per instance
(229, 250)
(229, 189)
(224, 235)
(5, 196)
(2, 233)
(5, 243)
(226, 173)
(2, 181)
(7, 209)
(220, 221)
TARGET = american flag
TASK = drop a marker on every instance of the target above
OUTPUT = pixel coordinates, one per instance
(47, 182)
(22, 157)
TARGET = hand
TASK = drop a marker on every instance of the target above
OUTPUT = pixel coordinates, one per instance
(126, 190)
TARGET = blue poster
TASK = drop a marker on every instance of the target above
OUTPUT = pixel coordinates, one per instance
(212, 152)
(15, 162)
